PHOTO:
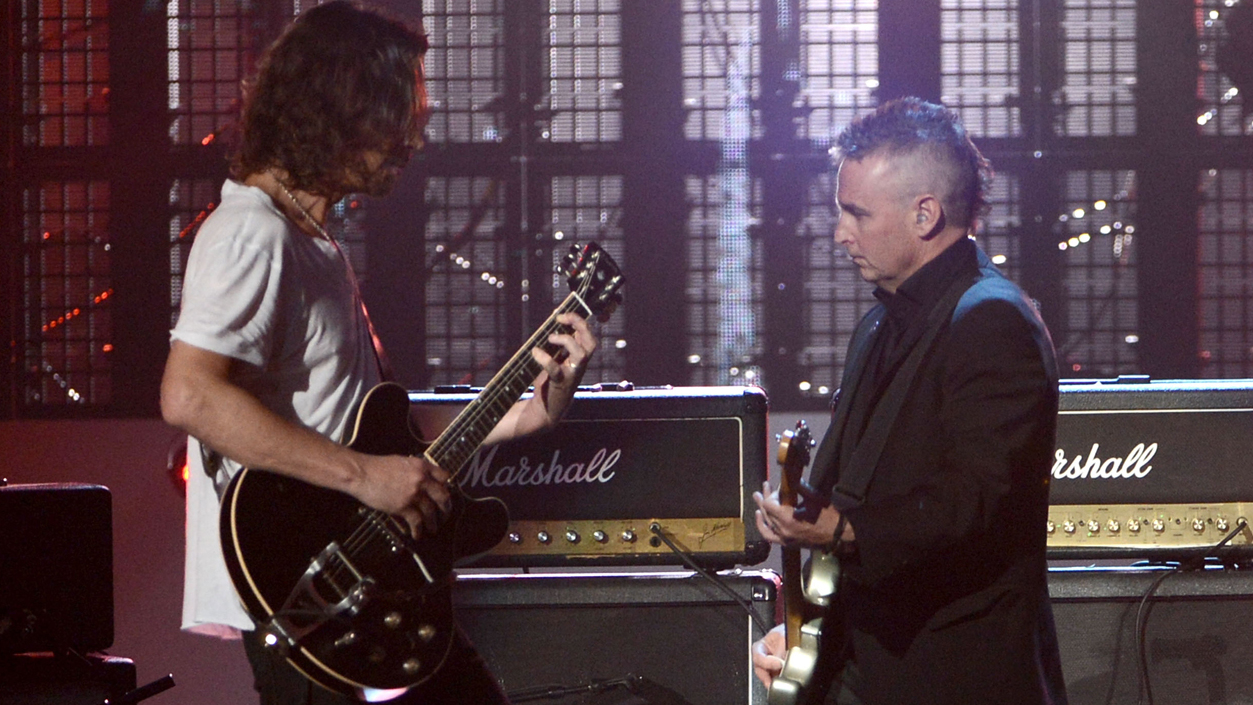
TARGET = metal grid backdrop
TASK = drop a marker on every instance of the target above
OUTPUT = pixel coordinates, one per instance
(691, 139)
(62, 336)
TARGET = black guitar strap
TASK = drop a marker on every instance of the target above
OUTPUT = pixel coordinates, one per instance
(827, 455)
(855, 479)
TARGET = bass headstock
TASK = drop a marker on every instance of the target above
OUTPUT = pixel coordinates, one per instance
(595, 277)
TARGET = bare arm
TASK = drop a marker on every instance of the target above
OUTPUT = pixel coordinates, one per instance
(554, 387)
(199, 397)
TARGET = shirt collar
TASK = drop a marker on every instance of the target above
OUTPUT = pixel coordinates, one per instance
(923, 288)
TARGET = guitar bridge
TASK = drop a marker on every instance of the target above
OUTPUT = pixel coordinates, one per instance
(331, 589)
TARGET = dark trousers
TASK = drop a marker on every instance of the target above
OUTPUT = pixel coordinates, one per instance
(836, 680)
(464, 678)
(842, 691)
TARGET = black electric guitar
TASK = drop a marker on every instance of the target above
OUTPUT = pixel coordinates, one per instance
(343, 590)
(809, 585)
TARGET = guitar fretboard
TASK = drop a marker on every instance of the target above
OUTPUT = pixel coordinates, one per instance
(465, 434)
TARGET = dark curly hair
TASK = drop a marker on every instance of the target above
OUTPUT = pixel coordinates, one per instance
(341, 80)
(909, 126)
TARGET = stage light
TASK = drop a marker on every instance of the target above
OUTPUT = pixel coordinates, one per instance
(177, 468)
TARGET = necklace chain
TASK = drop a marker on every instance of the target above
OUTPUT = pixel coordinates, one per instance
(307, 215)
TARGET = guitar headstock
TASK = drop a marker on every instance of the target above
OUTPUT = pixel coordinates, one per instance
(595, 277)
(794, 445)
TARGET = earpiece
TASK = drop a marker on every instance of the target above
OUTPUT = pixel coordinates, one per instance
(922, 218)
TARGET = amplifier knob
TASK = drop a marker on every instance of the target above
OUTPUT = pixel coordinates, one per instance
(572, 536)
(1221, 524)
(1094, 526)
(1113, 526)
(544, 537)
(1159, 525)
(1133, 525)
(1198, 525)
(599, 536)
(628, 535)
(1051, 527)
(515, 537)
(1068, 526)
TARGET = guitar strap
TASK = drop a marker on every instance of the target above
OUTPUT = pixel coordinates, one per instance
(376, 344)
(827, 456)
(855, 479)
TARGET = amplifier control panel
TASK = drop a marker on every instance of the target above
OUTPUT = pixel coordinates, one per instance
(1080, 528)
(621, 537)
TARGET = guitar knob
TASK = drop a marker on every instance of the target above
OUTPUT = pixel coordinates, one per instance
(392, 620)
(426, 632)
(411, 666)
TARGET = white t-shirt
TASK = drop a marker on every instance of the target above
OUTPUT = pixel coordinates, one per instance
(260, 290)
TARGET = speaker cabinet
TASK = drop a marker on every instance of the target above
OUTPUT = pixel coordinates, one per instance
(56, 568)
(1197, 635)
(678, 638)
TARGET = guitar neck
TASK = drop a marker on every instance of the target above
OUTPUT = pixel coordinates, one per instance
(465, 434)
(796, 457)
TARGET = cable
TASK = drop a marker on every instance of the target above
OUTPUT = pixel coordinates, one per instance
(1197, 562)
(760, 623)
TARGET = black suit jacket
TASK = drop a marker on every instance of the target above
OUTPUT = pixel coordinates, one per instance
(945, 599)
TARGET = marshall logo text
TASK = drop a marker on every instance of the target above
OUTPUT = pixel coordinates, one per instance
(524, 473)
(1134, 464)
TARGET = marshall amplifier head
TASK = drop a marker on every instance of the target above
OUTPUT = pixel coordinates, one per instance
(1152, 468)
(624, 475)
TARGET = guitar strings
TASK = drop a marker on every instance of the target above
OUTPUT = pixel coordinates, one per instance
(376, 523)
(520, 359)
(495, 401)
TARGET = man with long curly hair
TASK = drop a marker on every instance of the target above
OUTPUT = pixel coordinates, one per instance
(273, 352)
